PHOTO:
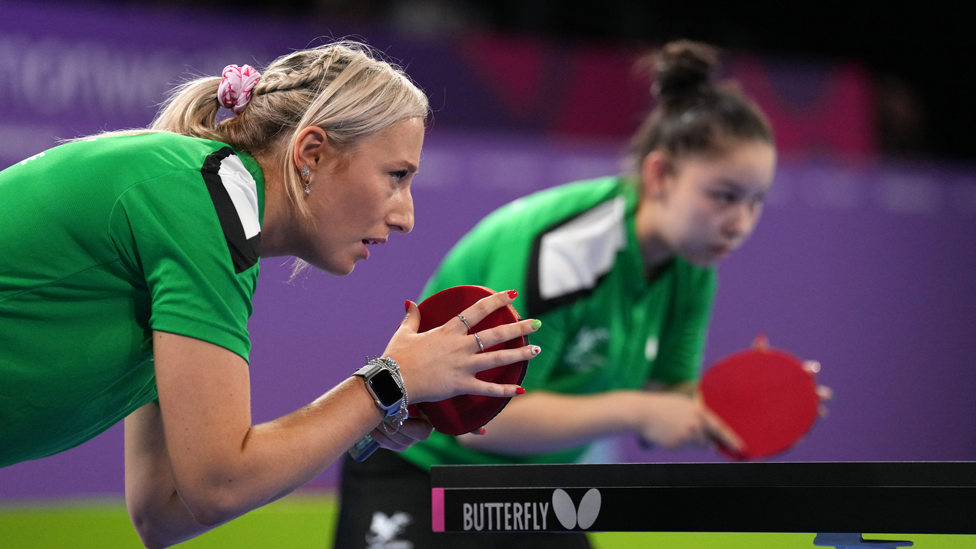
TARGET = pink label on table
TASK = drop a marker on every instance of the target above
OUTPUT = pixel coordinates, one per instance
(437, 509)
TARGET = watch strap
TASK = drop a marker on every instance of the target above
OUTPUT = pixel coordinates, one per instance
(397, 412)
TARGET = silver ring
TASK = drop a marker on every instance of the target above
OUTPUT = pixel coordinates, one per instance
(465, 322)
(480, 345)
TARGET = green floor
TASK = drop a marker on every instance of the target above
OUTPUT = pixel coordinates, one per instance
(307, 520)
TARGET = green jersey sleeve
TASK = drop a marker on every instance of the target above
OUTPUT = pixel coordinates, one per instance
(189, 272)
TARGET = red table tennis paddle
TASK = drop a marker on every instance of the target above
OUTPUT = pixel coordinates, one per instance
(765, 396)
(463, 413)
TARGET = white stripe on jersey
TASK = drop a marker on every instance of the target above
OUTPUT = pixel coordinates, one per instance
(574, 256)
(243, 191)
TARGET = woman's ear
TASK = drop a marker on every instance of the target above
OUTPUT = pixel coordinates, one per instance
(656, 168)
(312, 148)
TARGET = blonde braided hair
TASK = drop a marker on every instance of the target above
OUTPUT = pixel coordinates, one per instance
(345, 88)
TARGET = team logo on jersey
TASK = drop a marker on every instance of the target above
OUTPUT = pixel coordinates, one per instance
(650, 348)
(588, 349)
(384, 530)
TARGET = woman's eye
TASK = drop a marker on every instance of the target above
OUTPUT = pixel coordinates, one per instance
(725, 198)
(398, 175)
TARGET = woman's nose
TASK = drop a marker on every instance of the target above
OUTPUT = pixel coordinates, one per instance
(401, 218)
(742, 220)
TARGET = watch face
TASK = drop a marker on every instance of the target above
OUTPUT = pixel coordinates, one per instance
(385, 388)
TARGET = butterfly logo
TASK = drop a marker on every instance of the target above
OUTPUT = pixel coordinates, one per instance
(569, 516)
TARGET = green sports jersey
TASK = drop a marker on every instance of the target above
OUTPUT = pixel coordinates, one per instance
(103, 241)
(572, 254)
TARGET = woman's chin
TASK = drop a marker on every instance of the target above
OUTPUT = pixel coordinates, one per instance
(703, 260)
(334, 268)
(342, 270)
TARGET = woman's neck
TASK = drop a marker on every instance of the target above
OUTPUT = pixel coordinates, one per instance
(654, 250)
(277, 227)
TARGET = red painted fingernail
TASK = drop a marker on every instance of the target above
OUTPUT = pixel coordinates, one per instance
(483, 430)
(512, 294)
(519, 391)
(407, 306)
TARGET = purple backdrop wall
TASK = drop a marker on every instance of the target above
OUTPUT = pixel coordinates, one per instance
(866, 267)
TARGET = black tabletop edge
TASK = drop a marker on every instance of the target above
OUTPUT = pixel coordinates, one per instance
(907, 474)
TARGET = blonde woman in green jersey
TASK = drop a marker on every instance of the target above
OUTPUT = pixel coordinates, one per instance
(128, 261)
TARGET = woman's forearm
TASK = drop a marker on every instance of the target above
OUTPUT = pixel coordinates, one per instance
(541, 421)
(272, 460)
(306, 441)
(156, 510)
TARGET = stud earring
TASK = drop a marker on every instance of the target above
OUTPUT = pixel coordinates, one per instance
(307, 180)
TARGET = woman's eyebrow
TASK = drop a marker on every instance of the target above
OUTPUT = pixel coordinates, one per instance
(733, 184)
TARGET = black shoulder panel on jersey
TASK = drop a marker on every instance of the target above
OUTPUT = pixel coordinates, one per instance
(536, 304)
(243, 251)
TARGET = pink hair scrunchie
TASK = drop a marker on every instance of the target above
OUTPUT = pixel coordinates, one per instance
(235, 87)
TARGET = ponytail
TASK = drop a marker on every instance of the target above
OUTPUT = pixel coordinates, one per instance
(191, 109)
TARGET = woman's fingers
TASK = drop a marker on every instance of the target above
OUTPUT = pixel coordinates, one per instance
(824, 394)
(412, 320)
(503, 357)
(412, 431)
(719, 431)
(386, 441)
(485, 388)
(484, 307)
(415, 429)
(507, 332)
(442, 362)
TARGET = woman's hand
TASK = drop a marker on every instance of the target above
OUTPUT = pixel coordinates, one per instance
(442, 363)
(824, 393)
(673, 420)
(411, 432)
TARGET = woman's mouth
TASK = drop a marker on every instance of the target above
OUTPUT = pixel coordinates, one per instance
(720, 251)
(370, 242)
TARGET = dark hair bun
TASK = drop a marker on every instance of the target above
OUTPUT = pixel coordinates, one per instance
(683, 69)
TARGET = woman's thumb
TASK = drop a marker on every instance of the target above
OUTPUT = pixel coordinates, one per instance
(412, 320)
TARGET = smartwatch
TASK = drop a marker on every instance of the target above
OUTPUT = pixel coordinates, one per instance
(383, 381)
